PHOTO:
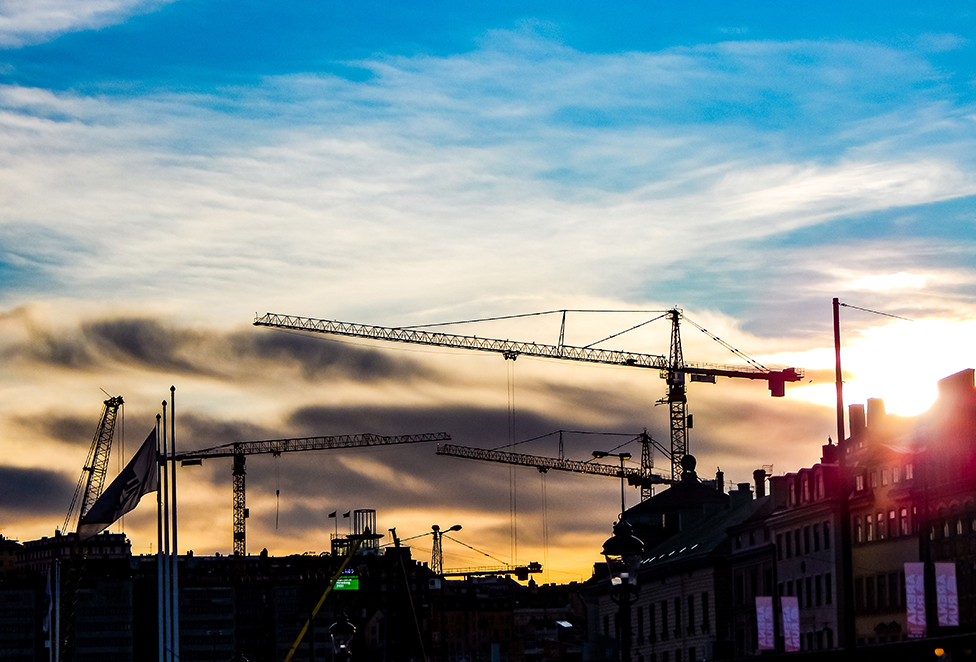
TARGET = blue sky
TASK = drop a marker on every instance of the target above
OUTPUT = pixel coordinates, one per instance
(168, 169)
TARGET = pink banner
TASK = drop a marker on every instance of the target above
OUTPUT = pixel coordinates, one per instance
(946, 595)
(791, 623)
(764, 623)
(915, 599)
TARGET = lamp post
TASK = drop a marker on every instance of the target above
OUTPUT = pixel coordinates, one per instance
(342, 633)
(623, 553)
(623, 480)
(437, 551)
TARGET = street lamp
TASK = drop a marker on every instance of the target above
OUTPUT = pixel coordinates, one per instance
(623, 480)
(437, 552)
(623, 553)
(342, 633)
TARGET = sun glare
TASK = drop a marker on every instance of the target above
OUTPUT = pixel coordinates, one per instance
(899, 362)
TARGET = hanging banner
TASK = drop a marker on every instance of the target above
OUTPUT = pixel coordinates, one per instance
(764, 623)
(915, 599)
(791, 623)
(946, 595)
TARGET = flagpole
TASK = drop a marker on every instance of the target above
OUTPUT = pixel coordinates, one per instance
(160, 595)
(167, 583)
(176, 550)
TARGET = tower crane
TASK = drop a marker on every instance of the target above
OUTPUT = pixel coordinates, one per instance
(635, 477)
(93, 472)
(240, 449)
(672, 367)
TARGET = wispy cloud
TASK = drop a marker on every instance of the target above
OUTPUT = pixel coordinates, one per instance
(34, 21)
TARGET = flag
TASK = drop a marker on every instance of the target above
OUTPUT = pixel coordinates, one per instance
(333, 513)
(790, 606)
(764, 623)
(139, 477)
(347, 514)
(915, 599)
(946, 594)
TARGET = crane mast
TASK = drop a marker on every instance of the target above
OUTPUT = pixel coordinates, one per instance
(673, 367)
(93, 473)
(238, 450)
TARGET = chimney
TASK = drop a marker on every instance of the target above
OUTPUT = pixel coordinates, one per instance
(777, 491)
(741, 496)
(720, 481)
(759, 477)
(856, 415)
(876, 412)
(829, 453)
(956, 387)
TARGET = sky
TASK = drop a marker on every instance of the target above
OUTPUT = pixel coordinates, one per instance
(169, 170)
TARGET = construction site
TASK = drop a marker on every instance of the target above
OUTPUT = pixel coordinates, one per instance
(710, 558)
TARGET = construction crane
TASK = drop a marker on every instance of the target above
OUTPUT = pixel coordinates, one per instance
(673, 367)
(240, 449)
(634, 476)
(93, 472)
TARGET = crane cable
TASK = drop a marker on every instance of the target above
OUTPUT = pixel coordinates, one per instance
(277, 462)
(512, 476)
(545, 526)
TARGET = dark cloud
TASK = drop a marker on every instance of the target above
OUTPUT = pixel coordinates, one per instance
(318, 357)
(34, 492)
(153, 344)
(75, 430)
(144, 342)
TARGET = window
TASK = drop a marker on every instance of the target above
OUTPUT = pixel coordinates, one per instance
(818, 589)
(895, 474)
(806, 540)
(826, 529)
(858, 530)
(799, 592)
(779, 546)
(806, 488)
(792, 493)
(820, 486)
(677, 619)
(691, 615)
(904, 524)
(859, 594)
(874, 479)
(651, 624)
(809, 591)
(859, 482)
(884, 477)
(882, 591)
(894, 596)
(706, 621)
(828, 589)
(959, 527)
(869, 527)
(789, 587)
(909, 471)
(789, 546)
(796, 541)
(640, 625)
(869, 594)
(664, 620)
(881, 526)
(892, 524)
(816, 537)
